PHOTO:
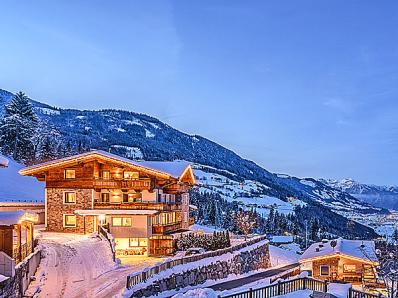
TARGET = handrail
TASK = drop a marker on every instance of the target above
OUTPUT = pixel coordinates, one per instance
(293, 285)
(139, 277)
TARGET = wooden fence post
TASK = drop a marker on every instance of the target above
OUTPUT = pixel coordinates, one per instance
(250, 292)
(305, 283)
(279, 287)
(350, 293)
(325, 286)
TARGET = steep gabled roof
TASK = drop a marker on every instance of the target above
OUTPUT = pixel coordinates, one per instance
(165, 170)
(356, 249)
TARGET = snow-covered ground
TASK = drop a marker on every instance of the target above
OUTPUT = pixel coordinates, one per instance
(80, 266)
(282, 257)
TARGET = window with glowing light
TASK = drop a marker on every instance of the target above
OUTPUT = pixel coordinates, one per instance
(105, 175)
(121, 221)
(69, 197)
(131, 175)
(104, 197)
(138, 242)
(349, 268)
(324, 269)
(69, 220)
(70, 174)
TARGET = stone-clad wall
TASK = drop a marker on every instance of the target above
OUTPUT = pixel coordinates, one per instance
(243, 262)
(16, 286)
(56, 208)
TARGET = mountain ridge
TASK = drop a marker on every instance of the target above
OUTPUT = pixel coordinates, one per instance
(139, 136)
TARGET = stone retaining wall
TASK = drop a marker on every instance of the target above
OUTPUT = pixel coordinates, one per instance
(242, 262)
(17, 285)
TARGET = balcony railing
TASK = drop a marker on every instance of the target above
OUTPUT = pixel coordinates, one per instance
(148, 205)
(167, 228)
(139, 184)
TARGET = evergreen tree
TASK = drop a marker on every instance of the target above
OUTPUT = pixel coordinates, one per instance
(17, 129)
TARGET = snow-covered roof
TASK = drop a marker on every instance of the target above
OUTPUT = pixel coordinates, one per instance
(16, 188)
(166, 169)
(357, 249)
(3, 161)
(174, 168)
(282, 239)
(116, 212)
(8, 218)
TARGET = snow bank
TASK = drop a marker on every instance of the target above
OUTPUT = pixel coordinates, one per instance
(14, 187)
(282, 257)
(339, 290)
(198, 293)
(3, 161)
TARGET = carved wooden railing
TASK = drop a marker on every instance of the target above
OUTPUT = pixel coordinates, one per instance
(139, 184)
(167, 228)
(138, 206)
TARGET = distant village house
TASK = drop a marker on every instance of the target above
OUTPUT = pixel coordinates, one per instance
(342, 260)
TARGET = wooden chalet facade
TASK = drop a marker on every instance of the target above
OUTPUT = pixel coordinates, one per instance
(343, 260)
(141, 203)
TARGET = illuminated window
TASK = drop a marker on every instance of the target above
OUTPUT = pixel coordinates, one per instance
(105, 175)
(350, 268)
(104, 197)
(324, 269)
(116, 221)
(69, 197)
(121, 221)
(131, 175)
(69, 221)
(70, 174)
(138, 242)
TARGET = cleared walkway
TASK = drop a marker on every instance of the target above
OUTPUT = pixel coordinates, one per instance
(236, 283)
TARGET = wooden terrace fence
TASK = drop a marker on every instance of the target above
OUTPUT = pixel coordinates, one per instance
(289, 286)
(140, 277)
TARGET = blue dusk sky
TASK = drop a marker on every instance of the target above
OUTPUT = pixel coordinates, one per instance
(308, 88)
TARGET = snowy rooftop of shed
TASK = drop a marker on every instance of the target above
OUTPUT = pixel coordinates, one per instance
(357, 249)
(282, 239)
(3, 161)
(8, 218)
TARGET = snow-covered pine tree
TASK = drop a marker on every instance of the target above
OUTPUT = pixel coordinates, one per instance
(17, 128)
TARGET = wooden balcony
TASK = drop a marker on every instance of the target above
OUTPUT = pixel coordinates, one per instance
(139, 184)
(166, 229)
(138, 206)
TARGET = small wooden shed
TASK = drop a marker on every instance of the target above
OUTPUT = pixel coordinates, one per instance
(16, 233)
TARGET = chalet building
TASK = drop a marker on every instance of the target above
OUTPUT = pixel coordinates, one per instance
(342, 260)
(141, 203)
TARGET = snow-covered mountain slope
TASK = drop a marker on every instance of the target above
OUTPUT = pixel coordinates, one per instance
(140, 136)
(17, 188)
(336, 199)
(247, 193)
(380, 196)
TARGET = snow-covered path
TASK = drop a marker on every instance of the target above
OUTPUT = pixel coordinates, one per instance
(80, 266)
